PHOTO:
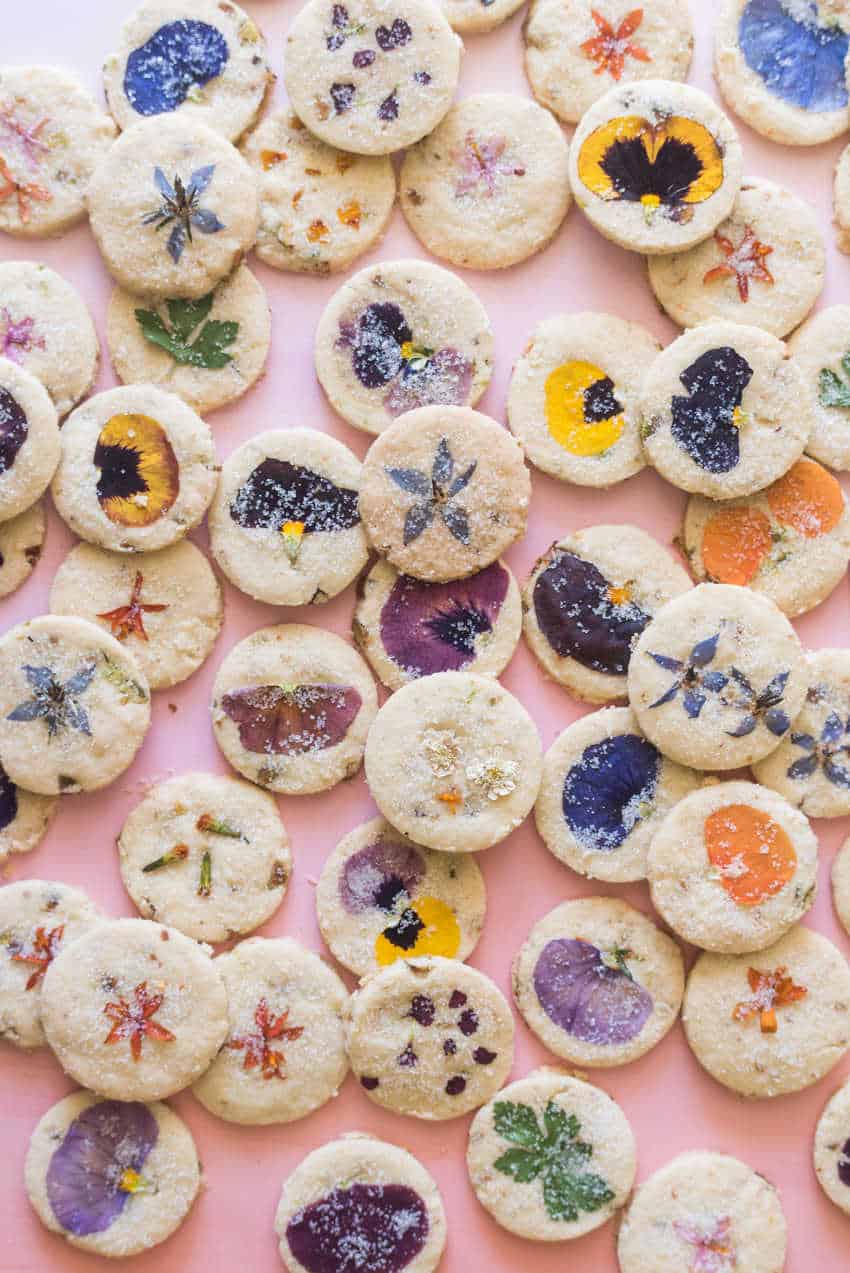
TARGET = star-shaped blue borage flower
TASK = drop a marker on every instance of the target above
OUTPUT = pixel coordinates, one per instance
(762, 707)
(823, 752)
(54, 703)
(435, 494)
(181, 204)
(693, 676)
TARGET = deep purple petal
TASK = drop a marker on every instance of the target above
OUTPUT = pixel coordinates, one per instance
(84, 1174)
(833, 728)
(456, 521)
(360, 1229)
(704, 651)
(277, 492)
(374, 877)
(13, 429)
(8, 800)
(575, 613)
(292, 722)
(703, 423)
(434, 627)
(417, 520)
(693, 701)
(606, 789)
(586, 998)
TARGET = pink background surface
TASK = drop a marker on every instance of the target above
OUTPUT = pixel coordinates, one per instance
(670, 1103)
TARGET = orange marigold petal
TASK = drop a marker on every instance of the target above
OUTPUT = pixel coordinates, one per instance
(735, 542)
(752, 852)
(808, 498)
(317, 232)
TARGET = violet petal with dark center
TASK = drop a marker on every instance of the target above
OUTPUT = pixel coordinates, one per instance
(377, 875)
(292, 721)
(587, 998)
(277, 492)
(703, 423)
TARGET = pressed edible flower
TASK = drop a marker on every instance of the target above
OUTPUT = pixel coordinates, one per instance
(436, 493)
(610, 48)
(442, 751)
(293, 533)
(25, 192)
(271, 158)
(808, 498)
(56, 702)
(744, 263)
(350, 214)
(41, 950)
(452, 799)
(215, 826)
(180, 207)
(209, 349)
(317, 232)
(583, 414)
(714, 1250)
(128, 620)
(752, 853)
(481, 163)
(178, 854)
(496, 778)
(292, 720)
(771, 990)
(139, 478)
(134, 1021)
(735, 543)
(18, 338)
(256, 1046)
(27, 136)
(205, 878)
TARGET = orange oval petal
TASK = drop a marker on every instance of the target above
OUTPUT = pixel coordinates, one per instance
(808, 498)
(734, 544)
(753, 854)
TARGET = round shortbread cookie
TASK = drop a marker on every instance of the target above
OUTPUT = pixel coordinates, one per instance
(432, 1038)
(790, 542)
(38, 918)
(733, 867)
(764, 265)
(717, 678)
(655, 166)
(320, 208)
(360, 1199)
(703, 1211)
(489, 187)
(401, 335)
(285, 524)
(207, 855)
(821, 352)
(24, 817)
(138, 469)
(574, 395)
(476, 17)
(445, 492)
(771, 1023)
(575, 52)
(205, 60)
(587, 600)
(381, 898)
(551, 1158)
(285, 1051)
(173, 208)
(29, 440)
(133, 1010)
(604, 794)
(831, 1149)
(114, 1178)
(74, 706)
(840, 877)
(454, 761)
(811, 766)
(724, 411)
(209, 352)
(780, 65)
(52, 136)
(841, 200)
(597, 982)
(371, 76)
(166, 607)
(291, 708)
(408, 628)
(47, 329)
(21, 541)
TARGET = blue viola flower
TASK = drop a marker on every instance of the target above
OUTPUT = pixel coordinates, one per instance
(609, 790)
(706, 422)
(162, 72)
(56, 702)
(824, 752)
(181, 204)
(796, 57)
(763, 706)
(694, 677)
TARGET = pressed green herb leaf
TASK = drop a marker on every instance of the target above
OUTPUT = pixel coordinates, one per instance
(835, 392)
(208, 349)
(554, 1154)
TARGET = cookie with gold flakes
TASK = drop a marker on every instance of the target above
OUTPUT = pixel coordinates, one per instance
(138, 469)
(74, 706)
(291, 708)
(38, 918)
(166, 607)
(21, 542)
(207, 855)
(205, 61)
(381, 898)
(320, 208)
(29, 440)
(587, 600)
(790, 542)
(655, 166)
(408, 628)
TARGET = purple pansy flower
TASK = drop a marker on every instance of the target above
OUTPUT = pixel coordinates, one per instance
(292, 720)
(378, 875)
(584, 617)
(379, 1228)
(590, 998)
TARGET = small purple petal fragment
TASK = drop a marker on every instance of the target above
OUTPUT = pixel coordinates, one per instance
(693, 701)
(704, 651)
(360, 1229)
(14, 429)
(449, 1047)
(417, 520)
(468, 1022)
(388, 109)
(458, 999)
(377, 875)
(743, 728)
(369, 1083)
(422, 77)
(342, 96)
(455, 1085)
(274, 720)
(408, 1058)
(393, 37)
(422, 1010)
(843, 1165)
(587, 998)
(8, 800)
(84, 1173)
(434, 627)
(483, 1056)
(777, 721)
(456, 522)
(363, 58)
